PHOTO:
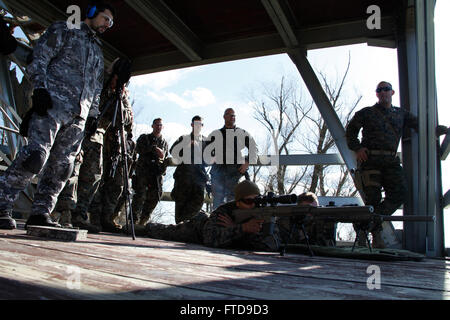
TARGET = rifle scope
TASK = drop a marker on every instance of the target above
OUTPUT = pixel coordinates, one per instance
(272, 200)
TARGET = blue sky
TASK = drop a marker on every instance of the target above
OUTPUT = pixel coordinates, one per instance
(176, 96)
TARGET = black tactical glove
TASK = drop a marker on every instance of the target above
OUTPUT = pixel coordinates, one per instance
(41, 101)
(91, 126)
(24, 125)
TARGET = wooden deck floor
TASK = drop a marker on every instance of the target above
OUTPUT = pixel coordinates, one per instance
(116, 267)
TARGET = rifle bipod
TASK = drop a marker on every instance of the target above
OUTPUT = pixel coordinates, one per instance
(358, 235)
(294, 227)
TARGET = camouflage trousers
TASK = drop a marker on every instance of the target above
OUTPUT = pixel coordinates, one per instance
(188, 199)
(383, 173)
(106, 201)
(190, 231)
(53, 143)
(319, 233)
(148, 192)
(223, 181)
(90, 175)
(67, 199)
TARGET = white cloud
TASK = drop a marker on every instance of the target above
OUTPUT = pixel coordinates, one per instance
(161, 80)
(173, 131)
(156, 96)
(199, 97)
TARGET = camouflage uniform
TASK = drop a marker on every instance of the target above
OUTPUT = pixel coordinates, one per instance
(69, 64)
(205, 230)
(382, 130)
(319, 233)
(190, 180)
(112, 186)
(67, 199)
(147, 181)
(91, 171)
(224, 177)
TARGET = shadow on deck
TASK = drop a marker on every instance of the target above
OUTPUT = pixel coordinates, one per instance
(107, 266)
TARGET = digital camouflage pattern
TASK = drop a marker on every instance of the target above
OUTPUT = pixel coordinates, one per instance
(382, 130)
(47, 135)
(148, 181)
(69, 64)
(204, 229)
(319, 232)
(218, 236)
(190, 231)
(91, 171)
(189, 179)
(112, 187)
(67, 199)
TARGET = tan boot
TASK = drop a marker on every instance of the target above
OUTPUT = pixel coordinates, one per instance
(65, 220)
(79, 222)
(108, 224)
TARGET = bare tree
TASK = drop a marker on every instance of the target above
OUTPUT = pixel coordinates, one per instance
(281, 112)
(294, 125)
(318, 140)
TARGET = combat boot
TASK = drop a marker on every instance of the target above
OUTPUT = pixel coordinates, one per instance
(377, 240)
(66, 219)
(112, 227)
(43, 220)
(79, 222)
(6, 222)
(143, 219)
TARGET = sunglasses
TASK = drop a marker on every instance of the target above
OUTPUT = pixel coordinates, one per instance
(385, 89)
(108, 19)
(248, 201)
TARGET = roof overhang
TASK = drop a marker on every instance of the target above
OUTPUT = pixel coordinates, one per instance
(162, 35)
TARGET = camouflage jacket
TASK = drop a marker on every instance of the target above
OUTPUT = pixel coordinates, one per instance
(193, 171)
(149, 161)
(105, 122)
(218, 236)
(382, 128)
(69, 64)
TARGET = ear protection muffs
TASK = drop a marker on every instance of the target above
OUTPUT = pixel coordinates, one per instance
(91, 12)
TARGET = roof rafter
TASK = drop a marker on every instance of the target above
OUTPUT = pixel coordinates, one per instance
(170, 26)
(351, 32)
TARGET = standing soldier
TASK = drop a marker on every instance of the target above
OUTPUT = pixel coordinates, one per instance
(150, 168)
(91, 170)
(190, 175)
(113, 177)
(225, 175)
(379, 165)
(67, 77)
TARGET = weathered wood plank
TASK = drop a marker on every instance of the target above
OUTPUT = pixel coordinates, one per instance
(416, 274)
(209, 279)
(57, 233)
(51, 280)
(160, 262)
